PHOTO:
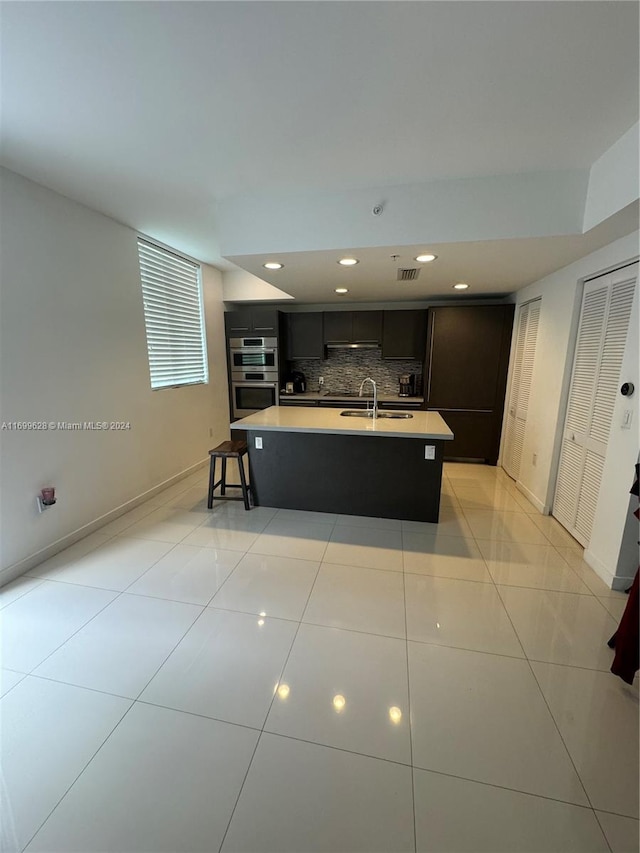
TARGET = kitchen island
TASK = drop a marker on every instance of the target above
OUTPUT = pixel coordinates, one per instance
(318, 459)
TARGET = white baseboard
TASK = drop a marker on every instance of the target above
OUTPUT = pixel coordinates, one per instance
(612, 581)
(22, 566)
(538, 504)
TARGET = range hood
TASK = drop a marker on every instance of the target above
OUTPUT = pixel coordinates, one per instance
(356, 345)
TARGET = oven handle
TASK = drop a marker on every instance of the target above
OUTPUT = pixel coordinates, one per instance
(257, 382)
(254, 350)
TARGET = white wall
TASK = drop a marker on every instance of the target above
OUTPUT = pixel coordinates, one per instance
(73, 348)
(561, 294)
(240, 285)
(613, 179)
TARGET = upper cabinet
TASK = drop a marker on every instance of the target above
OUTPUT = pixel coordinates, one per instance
(338, 326)
(304, 338)
(251, 320)
(367, 326)
(352, 327)
(404, 335)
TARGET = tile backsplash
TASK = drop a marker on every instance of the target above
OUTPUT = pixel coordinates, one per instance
(344, 370)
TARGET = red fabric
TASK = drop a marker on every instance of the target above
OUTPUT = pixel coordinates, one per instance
(626, 664)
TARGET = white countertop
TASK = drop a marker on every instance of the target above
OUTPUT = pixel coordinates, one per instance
(306, 419)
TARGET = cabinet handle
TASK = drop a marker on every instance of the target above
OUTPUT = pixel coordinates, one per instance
(433, 325)
(239, 328)
(263, 328)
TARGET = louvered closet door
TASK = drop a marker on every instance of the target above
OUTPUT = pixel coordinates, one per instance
(524, 356)
(602, 336)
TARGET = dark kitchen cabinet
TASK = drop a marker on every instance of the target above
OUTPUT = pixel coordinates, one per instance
(251, 320)
(304, 338)
(466, 375)
(352, 327)
(367, 326)
(338, 326)
(404, 335)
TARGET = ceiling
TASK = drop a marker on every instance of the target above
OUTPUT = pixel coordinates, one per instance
(489, 267)
(156, 113)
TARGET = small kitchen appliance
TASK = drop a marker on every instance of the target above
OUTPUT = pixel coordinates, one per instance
(405, 386)
(299, 382)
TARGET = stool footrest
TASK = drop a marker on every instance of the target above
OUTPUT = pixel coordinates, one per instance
(230, 486)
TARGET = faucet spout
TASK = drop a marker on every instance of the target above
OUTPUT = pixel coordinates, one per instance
(375, 395)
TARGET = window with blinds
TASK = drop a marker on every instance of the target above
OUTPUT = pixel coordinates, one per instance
(173, 316)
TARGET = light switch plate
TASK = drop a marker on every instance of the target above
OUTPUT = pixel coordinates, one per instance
(258, 442)
(430, 451)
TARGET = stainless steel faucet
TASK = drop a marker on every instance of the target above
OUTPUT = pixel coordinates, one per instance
(375, 395)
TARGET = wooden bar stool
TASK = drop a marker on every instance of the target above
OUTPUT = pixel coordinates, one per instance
(224, 451)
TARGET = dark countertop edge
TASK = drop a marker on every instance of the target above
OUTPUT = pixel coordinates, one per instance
(382, 398)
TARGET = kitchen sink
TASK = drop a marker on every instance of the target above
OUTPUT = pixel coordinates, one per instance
(363, 413)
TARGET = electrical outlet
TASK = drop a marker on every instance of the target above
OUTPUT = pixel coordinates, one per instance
(429, 451)
(321, 380)
(535, 459)
(258, 442)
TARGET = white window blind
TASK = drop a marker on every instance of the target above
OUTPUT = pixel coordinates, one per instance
(173, 316)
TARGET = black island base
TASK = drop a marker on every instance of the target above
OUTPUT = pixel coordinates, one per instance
(378, 476)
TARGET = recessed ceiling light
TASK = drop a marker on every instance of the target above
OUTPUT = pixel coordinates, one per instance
(460, 286)
(348, 262)
(425, 259)
(272, 265)
(342, 290)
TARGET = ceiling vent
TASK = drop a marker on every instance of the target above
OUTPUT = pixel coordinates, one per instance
(408, 274)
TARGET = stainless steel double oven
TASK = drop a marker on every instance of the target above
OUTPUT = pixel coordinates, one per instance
(254, 374)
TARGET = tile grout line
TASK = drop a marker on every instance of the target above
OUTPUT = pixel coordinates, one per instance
(604, 834)
(22, 595)
(406, 652)
(78, 686)
(132, 701)
(119, 594)
(544, 698)
(80, 773)
(282, 671)
(183, 635)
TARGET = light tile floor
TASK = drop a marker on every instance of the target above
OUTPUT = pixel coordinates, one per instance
(186, 680)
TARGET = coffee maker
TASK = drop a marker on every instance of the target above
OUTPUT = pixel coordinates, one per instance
(299, 382)
(405, 386)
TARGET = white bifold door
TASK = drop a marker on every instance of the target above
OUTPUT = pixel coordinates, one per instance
(518, 405)
(595, 380)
